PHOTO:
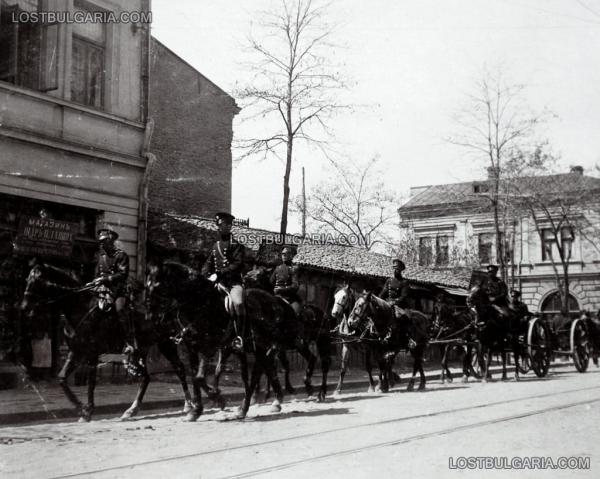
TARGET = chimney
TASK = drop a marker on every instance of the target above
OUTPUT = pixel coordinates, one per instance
(577, 170)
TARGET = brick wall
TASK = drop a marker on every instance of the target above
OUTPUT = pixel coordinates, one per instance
(191, 140)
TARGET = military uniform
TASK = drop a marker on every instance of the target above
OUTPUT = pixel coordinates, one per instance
(396, 292)
(497, 291)
(226, 261)
(285, 281)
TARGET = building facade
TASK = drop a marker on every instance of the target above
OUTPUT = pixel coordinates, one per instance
(452, 225)
(73, 129)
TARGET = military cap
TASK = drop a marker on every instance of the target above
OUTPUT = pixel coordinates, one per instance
(399, 262)
(105, 233)
(492, 267)
(287, 249)
(224, 217)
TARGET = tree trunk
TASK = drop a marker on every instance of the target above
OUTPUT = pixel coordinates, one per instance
(286, 187)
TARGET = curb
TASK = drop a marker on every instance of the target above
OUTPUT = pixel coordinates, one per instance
(22, 418)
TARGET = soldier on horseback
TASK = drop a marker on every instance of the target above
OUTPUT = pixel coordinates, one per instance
(225, 267)
(112, 272)
(285, 281)
(495, 288)
(396, 290)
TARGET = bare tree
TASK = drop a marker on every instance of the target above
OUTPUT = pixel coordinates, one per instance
(562, 207)
(355, 207)
(294, 85)
(494, 126)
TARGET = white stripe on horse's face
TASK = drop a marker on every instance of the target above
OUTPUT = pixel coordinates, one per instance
(340, 301)
(357, 315)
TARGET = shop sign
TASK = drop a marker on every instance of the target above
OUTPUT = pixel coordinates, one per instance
(45, 237)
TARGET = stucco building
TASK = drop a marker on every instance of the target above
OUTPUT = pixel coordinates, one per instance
(452, 225)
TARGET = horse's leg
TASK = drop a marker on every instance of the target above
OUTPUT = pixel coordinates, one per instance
(310, 359)
(503, 356)
(324, 350)
(221, 361)
(419, 353)
(257, 370)
(468, 351)
(343, 365)
(196, 364)
(88, 409)
(169, 350)
(243, 409)
(369, 368)
(143, 386)
(63, 377)
(515, 349)
(283, 359)
(271, 374)
(411, 383)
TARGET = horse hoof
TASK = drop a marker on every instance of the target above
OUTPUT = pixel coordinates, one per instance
(128, 414)
(276, 407)
(192, 416)
(84, 419)
(465, 379)
(443, 381)
(450, 379)
(421, 387)
(517, 378)
(187, 407)
(410, 387)
(337, 392)
(321, 396)
(220, 402)
(240, 414)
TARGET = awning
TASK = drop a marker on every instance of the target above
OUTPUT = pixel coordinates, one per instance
(455, 291)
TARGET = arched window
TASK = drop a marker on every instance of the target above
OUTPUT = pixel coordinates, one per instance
(551, 306)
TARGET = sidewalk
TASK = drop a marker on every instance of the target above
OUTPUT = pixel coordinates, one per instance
(45, 401)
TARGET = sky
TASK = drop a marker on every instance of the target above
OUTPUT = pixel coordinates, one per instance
(410, 65)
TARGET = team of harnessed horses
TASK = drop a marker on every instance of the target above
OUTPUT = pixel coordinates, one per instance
(178, 305)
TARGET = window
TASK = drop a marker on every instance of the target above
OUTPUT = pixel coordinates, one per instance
(552, 305)
(548, 243)
(89, 52)
(425, 252)
(441, 248)
(485, 243)
(28, 50)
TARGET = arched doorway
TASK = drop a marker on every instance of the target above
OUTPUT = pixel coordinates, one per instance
(551, 306)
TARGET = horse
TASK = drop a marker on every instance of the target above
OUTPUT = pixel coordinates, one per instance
(387, 336)
(343, 302)
(313, 326)
(179, 299)
(495, 331)
(207, 326)
(90, 329)
(455, 329)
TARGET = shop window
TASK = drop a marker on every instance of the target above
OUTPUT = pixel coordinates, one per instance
(89, 56)
(548, 243)
(28, 49)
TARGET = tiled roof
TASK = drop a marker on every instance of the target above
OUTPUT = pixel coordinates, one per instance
(463, 193)
(189, 233)
(357, 261)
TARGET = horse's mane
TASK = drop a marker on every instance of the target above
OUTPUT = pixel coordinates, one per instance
(61, 276)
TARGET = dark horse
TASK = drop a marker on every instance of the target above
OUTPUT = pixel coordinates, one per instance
(387, 336)
(314, 326)
(452, 330)
(496, 329)
(90, 329)
(206, 326)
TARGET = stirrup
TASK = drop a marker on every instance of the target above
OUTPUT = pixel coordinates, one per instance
(237, 344)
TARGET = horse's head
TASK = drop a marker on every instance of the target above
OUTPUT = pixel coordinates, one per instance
(342, 300)
(46, 283)
(358, 316)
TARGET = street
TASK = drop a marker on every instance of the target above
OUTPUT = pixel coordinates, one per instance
(419, 434)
